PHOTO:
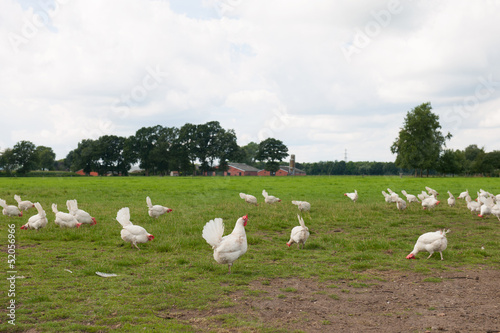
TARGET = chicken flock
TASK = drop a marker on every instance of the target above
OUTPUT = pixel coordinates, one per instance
(227, 249)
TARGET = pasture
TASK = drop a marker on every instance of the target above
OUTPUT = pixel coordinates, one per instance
(173, 283)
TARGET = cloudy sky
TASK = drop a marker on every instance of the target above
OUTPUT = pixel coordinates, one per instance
(322, 76)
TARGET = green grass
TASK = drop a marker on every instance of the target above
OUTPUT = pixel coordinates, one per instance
(176, 271)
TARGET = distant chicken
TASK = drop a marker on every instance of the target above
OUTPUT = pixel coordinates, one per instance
(65, 219)
(473, 206)
(353, 195)
(464, 194)
(486, 207)
(37, 221)
(410, 197)
(401, 204)
(495, 210)
(156, 210)
(81, 216)
(132, 233)
(387, 197)
(229, 248)
(270, 199)
(299, 234)
(422, 196)
(23, 205)
(432, 192)
(303, 206)
(451, 199)
(394, 195)
(429, 203)
(10, 210)
(249, 198)
(430, 242)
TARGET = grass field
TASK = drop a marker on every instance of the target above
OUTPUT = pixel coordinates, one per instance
(176, 271)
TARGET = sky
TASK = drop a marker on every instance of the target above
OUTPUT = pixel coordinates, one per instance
(331, 79)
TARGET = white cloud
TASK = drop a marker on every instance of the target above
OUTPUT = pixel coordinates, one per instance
(264, 68)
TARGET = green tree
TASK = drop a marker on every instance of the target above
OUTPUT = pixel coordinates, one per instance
(46, 157)
(144, 143)
(450, 162)
(247, 154)
(187, 149)
(25, 156)
(8, 161)
(420, 141)
(85, 156)
(272, 152)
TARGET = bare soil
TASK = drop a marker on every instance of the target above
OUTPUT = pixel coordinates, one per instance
(451, 301)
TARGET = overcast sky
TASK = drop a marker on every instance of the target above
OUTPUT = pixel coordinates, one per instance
(321, 76)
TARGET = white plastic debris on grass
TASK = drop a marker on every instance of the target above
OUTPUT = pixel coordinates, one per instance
(106, 275)
(67, 270)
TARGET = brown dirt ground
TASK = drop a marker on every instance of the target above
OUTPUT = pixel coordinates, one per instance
(451, 301)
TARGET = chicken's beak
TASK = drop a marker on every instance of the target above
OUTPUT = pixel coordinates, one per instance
(245, 220)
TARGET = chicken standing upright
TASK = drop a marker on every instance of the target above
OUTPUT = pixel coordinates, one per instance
(299, 234)
(65, 219)
(23, 205)
(81, 216)
(451, 200)
(156, 210)
(37, 221)
(303, 206)
(132, 233)
(249, 198)
(353, 195)
(10, 210)
(270, 199)
(387, 197)
(229, 248)
(430, 242)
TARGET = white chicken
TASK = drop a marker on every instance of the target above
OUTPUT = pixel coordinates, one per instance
(299, 234)
(495, 210)
(23, 205)
(10, 210)
(249, 198)
(37, 221)
(464, 194)
(432, 192)
(132, 233)
(353, 196)
(387, 197)
(401, 204)
(410, 197)
(430, 242)
(422, 196)
(270, 199)
(65, 219)
(429, 203)
(156, 210)
(473, 206)
(486, 207)
(229, 248)
(394, 195)
(451, 200)
(81, 216)
(303, 206)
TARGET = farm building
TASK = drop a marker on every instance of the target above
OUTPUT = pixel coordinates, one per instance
(240, 169)
(283, 171)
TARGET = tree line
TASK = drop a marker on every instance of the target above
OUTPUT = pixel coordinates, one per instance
(199, 149)
(158, 150)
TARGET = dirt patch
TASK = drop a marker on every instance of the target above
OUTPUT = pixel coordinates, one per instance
(465, 301)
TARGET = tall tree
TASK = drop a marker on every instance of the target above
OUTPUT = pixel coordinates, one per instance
(85, 156)
(46, 157)
(144, 142)
(272, 152)
(420, 141)
(25, 156)
(187, 148)
(8, 161)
